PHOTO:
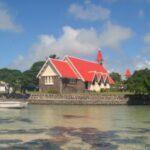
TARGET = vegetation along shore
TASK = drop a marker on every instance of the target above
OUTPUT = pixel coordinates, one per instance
(134, 90)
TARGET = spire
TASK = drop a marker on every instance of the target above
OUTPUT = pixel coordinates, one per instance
(99, 57)
(127, 73)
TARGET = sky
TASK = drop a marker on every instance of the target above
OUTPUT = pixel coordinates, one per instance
(31, 30)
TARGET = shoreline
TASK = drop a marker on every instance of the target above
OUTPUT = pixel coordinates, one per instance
(88, 99)
(83, 99)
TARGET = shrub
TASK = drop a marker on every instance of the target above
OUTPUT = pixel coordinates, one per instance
(52, 91)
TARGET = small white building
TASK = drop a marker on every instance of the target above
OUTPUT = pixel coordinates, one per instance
(5, 88)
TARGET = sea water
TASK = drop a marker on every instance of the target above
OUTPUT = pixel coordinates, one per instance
(75, 127)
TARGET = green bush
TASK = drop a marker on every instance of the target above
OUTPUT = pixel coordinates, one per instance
(139, 82)
(52, 91)
(104, 90)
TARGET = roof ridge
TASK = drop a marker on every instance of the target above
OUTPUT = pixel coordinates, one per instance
(55, 67)
(72, 69)
(83, 59)
(57, 59)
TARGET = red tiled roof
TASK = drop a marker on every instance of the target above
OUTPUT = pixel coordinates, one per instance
(90, 76)
(63, 68)
(84, 67)
(128, 73)
(111, 81)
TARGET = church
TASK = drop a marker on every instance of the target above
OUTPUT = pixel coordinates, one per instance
(74, 74)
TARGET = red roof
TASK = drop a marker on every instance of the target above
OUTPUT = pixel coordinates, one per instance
(90, 76)
(111, 81)
(85, 68)
(63, 68)
(128, 73)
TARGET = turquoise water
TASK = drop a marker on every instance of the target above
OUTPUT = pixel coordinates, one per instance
(75, 127)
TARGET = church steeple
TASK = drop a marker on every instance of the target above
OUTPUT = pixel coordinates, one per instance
(99, 57)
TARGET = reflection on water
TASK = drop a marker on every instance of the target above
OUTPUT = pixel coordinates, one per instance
(75, 127)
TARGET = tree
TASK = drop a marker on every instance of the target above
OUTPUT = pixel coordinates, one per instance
(53, 56)
(29, 76)
(139, 82)
(13, 77)
(115, 76)
(17, 79)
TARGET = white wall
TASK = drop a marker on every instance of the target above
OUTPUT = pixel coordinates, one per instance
(2, 89)
(97, 87)
(48, 71)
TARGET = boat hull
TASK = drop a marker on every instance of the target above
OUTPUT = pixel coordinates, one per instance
(13, 104)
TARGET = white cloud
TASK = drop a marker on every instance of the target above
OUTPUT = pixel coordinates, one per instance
(141, 13)
(146, 49)
(141, 63)
(89, 12)
(78, 42)
(144, 64)
(142, 60)
(6, 20)
(114, 35)
(147, 38)
(18, 62)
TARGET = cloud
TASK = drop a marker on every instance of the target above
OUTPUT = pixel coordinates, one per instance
(90, 12)
(146, 48)
(79, 42)
(6, 20)
(147, 38)
(141, 63)
(141, 13)
(143, 60)
(114, 35)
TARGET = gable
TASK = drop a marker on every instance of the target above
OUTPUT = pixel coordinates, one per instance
(48, 71)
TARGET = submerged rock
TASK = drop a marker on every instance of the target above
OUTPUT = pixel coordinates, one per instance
(36, 145)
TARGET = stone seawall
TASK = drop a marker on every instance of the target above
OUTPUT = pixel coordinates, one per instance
(89, 99)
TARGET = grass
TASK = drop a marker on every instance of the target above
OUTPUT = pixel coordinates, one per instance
(94, 93)
(117, 93)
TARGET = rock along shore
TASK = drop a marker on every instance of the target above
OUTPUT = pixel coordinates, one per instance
(89, 99)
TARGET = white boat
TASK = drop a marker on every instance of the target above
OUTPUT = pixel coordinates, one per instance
(13, 104)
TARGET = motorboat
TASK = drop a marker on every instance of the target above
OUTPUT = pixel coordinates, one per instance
(13, 104)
